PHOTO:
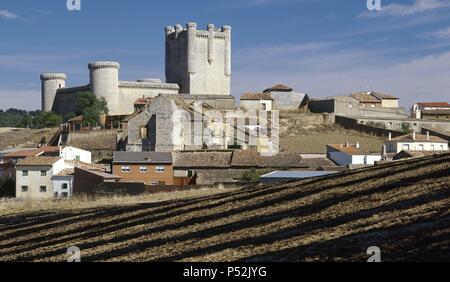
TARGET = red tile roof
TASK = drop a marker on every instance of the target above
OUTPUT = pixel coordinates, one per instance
(434, 104)
(279, 87)
(419, 138)
(351, 149)
(256, 96)
(143, 101)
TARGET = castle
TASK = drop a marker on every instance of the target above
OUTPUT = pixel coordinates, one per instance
(197, 62)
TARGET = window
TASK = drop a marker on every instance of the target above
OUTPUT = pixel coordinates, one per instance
(126, 169)
(43, 173)
(153, 183)
(144, 132)
(442, 147)
(143, 169)
(24, 172)
(160, 169)
(421, 147)
(264, 106)
(64, 195)
(406, 147)
(24, 189)
(64, 186)
(43, 189)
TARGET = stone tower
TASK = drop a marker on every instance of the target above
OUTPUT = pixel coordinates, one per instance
(199, 61)
(104, 82)
(50, 83)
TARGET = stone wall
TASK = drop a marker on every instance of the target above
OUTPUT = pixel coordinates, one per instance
(199, 60)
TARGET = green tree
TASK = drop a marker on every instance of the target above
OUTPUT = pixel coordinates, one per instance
(406, 127)
(251, 175)
(91, 107)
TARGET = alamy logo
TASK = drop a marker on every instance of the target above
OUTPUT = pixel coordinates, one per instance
(231, 128)
(376, 254)
(74, 5)
(374, 5)
(73, 254)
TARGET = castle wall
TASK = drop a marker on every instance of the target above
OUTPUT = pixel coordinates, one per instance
(130, 91)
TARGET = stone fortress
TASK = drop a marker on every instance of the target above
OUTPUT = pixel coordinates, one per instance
(198, 62)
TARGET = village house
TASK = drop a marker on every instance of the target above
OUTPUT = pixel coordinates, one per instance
(415, 142)
(151, 168)
(256, 102)
(431, 111)
(226, 166)
(63, 183)
(373, 99)
(366, 100)
(89, 180)
(351, 155)
(285, 98)
(34, 176)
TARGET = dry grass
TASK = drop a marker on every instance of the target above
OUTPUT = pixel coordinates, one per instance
(310, 133)
(23, 138)
(19, 206)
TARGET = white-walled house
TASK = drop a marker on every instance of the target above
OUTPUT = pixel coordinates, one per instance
(34, 176)
(70, 153)
(416, 142)
(63, 183)
(256, 102)
(349, 154)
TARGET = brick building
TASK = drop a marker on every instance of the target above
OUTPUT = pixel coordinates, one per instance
(151, 168)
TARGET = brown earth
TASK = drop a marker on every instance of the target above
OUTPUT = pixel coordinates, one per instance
(310, 133)
(23, 138)
(402, 207)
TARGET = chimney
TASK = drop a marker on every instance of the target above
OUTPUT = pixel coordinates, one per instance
(390, 136)
(384, 150)
(414, 135)
(357, 145)
(428, 136)
(347, 144)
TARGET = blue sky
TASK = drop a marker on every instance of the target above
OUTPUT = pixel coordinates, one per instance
(321, 47)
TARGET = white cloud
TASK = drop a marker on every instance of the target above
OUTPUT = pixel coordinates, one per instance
(8, 15)
(441, 34)
(331, 72)
(417, 7)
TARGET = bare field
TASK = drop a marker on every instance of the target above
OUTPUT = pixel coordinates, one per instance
(23, 138)
(401, 207)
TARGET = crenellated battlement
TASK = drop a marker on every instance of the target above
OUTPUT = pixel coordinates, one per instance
(199, 60)
(53, 76)
(104, 65)
(176, 31)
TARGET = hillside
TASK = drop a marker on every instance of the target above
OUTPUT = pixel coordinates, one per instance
(401, 207)
(23, 138)
(304, 132)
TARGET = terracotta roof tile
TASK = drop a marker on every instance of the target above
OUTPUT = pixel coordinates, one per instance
(39, 161)
(256, 96)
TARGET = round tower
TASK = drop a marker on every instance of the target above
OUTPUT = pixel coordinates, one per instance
(50, 83)
(104, 82)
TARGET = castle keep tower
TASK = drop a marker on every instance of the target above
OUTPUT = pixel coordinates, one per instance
(50, 83)
(199, 61)
(104, 82)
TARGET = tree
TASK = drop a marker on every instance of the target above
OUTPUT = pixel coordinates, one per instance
(91, 107)
(252, 175)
